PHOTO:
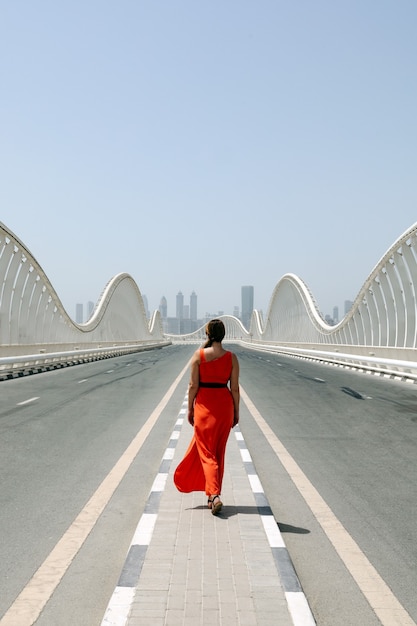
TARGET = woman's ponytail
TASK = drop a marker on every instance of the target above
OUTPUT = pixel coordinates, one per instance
(215, 331)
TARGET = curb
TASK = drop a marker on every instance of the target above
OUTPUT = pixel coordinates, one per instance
(296, 600)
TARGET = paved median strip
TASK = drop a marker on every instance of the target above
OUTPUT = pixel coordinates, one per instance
(120, 605)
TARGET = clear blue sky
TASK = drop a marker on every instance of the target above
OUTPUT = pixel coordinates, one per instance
(208, 145)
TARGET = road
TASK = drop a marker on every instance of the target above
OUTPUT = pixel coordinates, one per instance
(352, 435)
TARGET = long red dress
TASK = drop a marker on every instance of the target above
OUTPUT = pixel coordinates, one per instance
(203, 464)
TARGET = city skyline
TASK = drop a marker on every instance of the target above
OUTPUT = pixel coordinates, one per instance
(81, 315)
(191, 312)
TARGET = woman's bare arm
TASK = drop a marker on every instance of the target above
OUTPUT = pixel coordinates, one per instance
(234, 388)
(193, 385)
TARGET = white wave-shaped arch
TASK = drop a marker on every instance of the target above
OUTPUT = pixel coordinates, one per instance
(32, 313)
(383, 314)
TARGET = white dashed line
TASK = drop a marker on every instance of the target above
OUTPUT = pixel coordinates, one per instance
(28, 401)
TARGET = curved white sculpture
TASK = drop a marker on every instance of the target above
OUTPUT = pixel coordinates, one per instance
(383, 314)
(32, 313)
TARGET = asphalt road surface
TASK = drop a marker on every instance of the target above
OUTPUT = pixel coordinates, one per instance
(353, 438)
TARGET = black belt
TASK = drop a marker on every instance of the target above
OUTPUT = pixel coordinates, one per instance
(213, 385)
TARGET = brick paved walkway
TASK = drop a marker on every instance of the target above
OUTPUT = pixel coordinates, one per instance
(200, 569)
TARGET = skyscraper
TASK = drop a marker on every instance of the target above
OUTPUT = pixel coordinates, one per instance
(79, 313)
(193, 307)
(247, 305)
(348, 306)
(145, 304)
(90, 309)
(180, 305)
(163, 307)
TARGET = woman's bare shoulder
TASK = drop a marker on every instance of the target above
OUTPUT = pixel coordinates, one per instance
(234, 358)
(196, 356)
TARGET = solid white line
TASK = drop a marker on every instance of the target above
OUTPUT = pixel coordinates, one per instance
(374, 588)
(27, 607)
(27, 401)
(84, 380)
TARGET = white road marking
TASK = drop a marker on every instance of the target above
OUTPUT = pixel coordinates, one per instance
(118, 612)
(84, 380)
(27, 607)
(255, 483)
(246, 457)
(28, 401)
(272, 532)
(380, 597)
(144, 530)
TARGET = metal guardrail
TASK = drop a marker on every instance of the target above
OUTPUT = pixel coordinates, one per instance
(17, 366)
(371, 363)
(23, 365)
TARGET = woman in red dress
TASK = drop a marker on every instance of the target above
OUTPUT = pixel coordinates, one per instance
(213, 409)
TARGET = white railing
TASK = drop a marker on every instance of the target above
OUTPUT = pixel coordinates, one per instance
(379, 332)
(31, 312)
(15, 366)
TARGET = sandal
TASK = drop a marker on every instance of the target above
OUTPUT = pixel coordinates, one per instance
(215, 506)
(209, 503)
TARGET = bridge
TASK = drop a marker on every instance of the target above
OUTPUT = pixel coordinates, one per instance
(320, 491)
(379, 333)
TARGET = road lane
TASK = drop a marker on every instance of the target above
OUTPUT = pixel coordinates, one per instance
(55, 453)
(354, 436)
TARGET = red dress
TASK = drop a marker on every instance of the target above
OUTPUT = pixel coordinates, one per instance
(203, 464)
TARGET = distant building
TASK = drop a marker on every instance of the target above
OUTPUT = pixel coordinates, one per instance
(172, 325)
(163, 308)
(90, 309)
(145, 304)
(348, 306)
(247, 305)
(180, 305)
(79, 313)
(236, 312)
(335, 314)
(193, 307)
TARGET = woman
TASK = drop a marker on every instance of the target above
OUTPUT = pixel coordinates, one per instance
(213, 409)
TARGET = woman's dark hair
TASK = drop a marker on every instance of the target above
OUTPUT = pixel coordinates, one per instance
(215, 331)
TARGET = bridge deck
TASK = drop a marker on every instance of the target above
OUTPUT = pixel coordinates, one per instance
(186, 566)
